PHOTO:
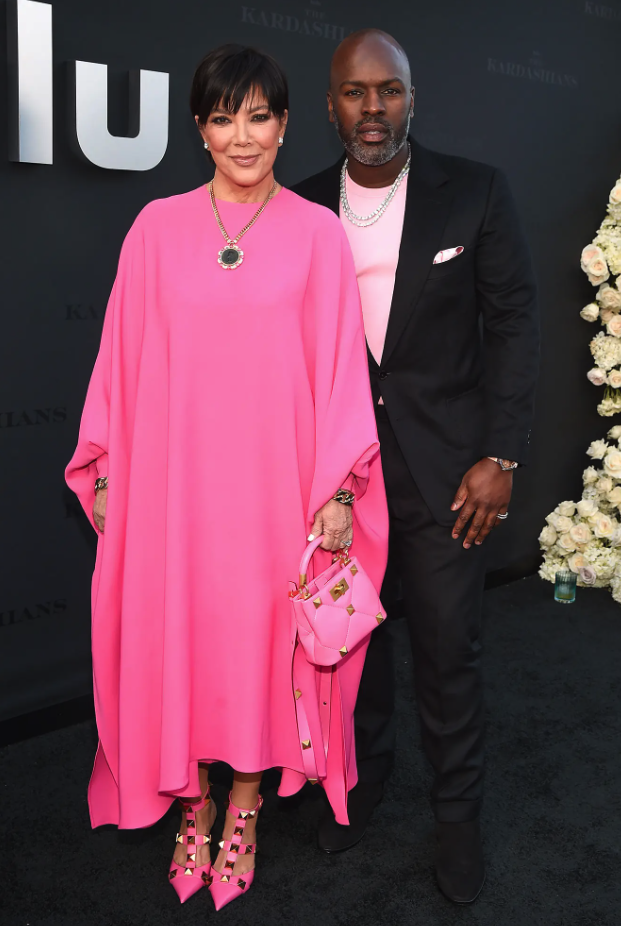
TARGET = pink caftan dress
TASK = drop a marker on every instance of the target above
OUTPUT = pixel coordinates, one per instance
(226, 407)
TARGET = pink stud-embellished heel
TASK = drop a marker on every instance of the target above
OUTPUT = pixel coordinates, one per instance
(225, 886)
(189, 878)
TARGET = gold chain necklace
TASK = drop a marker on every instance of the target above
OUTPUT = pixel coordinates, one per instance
(231, 257)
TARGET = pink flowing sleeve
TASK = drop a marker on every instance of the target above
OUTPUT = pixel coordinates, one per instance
(346, 435)
(345, 442)
(115, 372)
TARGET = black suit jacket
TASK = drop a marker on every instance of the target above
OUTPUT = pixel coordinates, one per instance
(460, 360)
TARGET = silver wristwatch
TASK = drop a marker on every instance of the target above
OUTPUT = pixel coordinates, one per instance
(504, 464)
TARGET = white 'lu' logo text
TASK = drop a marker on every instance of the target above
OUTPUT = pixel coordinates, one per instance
(31, 115)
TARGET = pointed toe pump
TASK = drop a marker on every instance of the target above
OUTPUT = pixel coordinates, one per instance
(189, 878)
(225, 886)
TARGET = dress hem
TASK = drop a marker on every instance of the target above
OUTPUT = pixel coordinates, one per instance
(103, 792)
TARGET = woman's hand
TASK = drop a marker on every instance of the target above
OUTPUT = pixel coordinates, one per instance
(334, 521)
(99, 509)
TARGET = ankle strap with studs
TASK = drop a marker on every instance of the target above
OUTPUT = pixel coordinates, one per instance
(192, 838)
(235, 847)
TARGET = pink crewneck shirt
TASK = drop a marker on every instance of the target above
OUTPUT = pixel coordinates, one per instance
(376, 253)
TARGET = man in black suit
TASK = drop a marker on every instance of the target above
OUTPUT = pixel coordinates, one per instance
(449, 307)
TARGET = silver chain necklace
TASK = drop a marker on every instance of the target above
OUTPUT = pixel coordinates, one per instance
(362, 221)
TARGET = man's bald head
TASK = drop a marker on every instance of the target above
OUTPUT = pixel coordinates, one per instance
(371, 97)
(372, 43)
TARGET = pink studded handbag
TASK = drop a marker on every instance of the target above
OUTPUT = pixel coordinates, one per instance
(336, 610)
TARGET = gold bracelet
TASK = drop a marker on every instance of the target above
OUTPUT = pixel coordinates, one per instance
(344, 496)
(101, 483)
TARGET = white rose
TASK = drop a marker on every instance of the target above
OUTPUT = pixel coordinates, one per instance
(612, 463)
(596, 376)
(614, 379)
(597, 271)
(563, 524)
(613, 326)
(615, 433)
(586, 507)
(590, 313)
(547, 537)
(604, 485)
(615, 194)
(581, 533)
(604, 527)
(588, 575)
(597, 449)
(590, 475)
(588, 254)
(567, 543)
(566, 509)
(605, 315)
(576, 562)
(608, 297)
(614, 496)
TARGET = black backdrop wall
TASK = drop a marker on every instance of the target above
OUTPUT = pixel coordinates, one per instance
(532, 87)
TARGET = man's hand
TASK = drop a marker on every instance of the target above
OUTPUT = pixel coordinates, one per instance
(334, 520)
(485, 492)
(99, 509)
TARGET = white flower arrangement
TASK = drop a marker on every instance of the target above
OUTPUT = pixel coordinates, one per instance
(585, 536)
(601, 261)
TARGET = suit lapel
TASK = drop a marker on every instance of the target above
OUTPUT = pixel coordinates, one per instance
(427, 208)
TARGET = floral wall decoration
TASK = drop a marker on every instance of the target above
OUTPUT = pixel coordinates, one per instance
(585, 536)
(601, 261)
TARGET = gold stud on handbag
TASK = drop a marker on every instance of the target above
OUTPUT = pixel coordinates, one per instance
(344, 587)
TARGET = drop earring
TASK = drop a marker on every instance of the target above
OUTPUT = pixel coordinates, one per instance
(206, 146)
(280, 141)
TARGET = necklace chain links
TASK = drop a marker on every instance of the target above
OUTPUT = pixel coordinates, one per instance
(363, 221)
(231, 256)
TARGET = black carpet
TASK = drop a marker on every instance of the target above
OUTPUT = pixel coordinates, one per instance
(552, 814)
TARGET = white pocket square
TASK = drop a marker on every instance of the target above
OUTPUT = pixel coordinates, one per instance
(447, 254)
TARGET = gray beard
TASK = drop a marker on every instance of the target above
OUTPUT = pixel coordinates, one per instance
(378, 154)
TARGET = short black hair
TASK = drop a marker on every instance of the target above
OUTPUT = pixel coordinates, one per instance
(229, 73)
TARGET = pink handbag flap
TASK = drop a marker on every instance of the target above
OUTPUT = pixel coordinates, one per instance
(336, 610)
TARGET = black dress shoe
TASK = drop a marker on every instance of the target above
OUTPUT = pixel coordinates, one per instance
(361, 801)
(460, 869)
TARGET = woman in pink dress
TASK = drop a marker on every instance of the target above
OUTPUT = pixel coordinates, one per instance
(229, 403)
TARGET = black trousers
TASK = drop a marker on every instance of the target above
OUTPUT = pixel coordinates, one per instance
(442, 589)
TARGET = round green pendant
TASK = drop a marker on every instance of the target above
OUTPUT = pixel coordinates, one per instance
(230, 257)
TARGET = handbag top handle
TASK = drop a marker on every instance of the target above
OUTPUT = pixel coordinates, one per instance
(342, 555)
(306, 558)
